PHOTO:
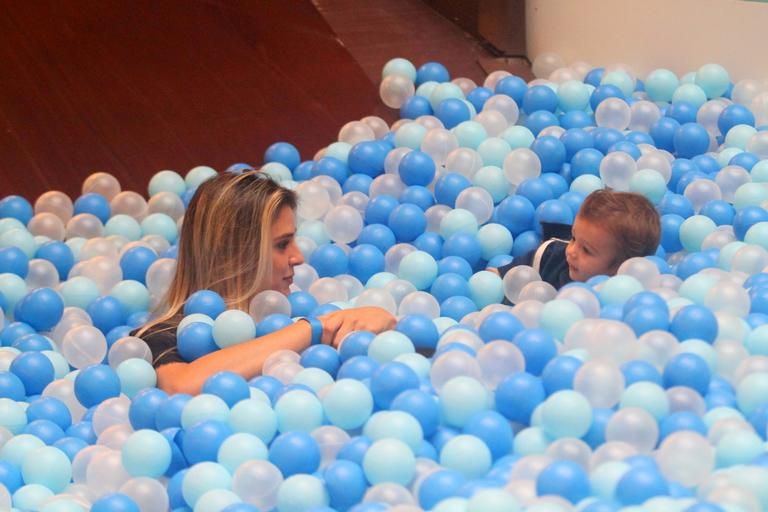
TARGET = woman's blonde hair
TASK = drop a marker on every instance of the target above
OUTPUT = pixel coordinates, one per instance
(226, 243)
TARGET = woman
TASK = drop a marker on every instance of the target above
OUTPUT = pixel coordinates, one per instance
(238, 239)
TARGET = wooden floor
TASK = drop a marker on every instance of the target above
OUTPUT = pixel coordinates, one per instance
(133, 88)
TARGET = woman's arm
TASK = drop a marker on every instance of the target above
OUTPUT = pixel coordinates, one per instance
(247, 359)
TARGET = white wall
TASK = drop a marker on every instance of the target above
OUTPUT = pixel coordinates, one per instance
(680, 35)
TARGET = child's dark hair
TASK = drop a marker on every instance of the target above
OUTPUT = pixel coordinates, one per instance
(630, 218)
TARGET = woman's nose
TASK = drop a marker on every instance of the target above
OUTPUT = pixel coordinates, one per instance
(297, 258)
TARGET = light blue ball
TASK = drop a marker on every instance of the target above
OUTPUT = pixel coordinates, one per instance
(62, 505)
(315, 230)
(713, 80)
(78, 291)
(204, 407)
(495, 239)
(123, 225)
(395, 425)
(348, 404)
(491, 178)
(566, 413)
(31, 497)
(380, 279)
(197, 175)
(254, 416)
(646, 395)
(458, 220)
(20, 238)
(466, 454)
(738, 447)
(301, 492)
(470, 134)
(573, 95)
(419, 268)
(389, 460)
(486, 288)
(239, 448)
(314, 378)
(426, 88)
(620, 79)
(531, 441)
(410, 135)
(280, 173)
(691, 93)
(9, 223)
(660, 85)
(386, 346)
(738, 136)
(146, 453)
(60, 365)
(194, 317)
(492, 500)
(13, 417)
(619, 289)
(648, 183)
(298, 410)
(694, 230)
(605, 477)
(160, 224)
(518, 137)
(494, 150)
(461, 398)
(135, 374)
(204, 477)
(399, 66)
(586, 184)
(131, 294)
(13, 288)
(167, 181)
(444, 91)
(752, 392)
(558, 315)
(232, 327)
(750, 194)
(47, 466)
(756, 341)
(216, 500)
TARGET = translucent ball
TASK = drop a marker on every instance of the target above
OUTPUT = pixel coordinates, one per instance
(257, 482)
(101, 183)
(516, 279)
(343, 224)
(601, 382)
(613, 113)
(166, 203)
(439, 144)
(521, 164)
(395, 89)
(644, 115)
(267, 303)
(451, 364)
(84, 225)
(314, 200)
(478, 201)
(129, 203)
(496, 360)
(41, 274)
(47, 224)
(702, 191)
(356, 131)
(465, 161)
(616, 170)
(546, 63)
(634, 426)
(128, 347)
(83, 346)
(55, 202)
(419, 303)
(327, 289)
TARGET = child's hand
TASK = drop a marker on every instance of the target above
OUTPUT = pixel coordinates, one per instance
(338, 324)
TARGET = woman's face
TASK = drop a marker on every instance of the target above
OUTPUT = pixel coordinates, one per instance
(285, 252)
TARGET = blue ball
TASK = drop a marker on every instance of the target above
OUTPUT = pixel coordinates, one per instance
(303, 171)
(640, 485)
(640, 371)
(605, 138)
(269, 385)
(576, 119)
(595, 436)
(14, 261)
(407, 221)
(202, 440)
(464, 246)
(196, 340)
(500, 326)
(96, 383)
(34, 370)
(419, 195)
(438, 486)
(107, 313)
(420, 329)
(432, 72)
(228, 386)
(115, 502)
(136, 261)
(95, 204)
(415, 107)
(706, 164)
(345, 482)
(525, 242)
(687, 369)
(603, 92)
(679, 421)
(564, 478)
(682, 112)
(449, 186)
(734, 114)
(457, 307)
(721, 212)
(422, 406)
(82, 430)
(71, 446)
(144, 407)
(663, 133)
(366, 158)
(694, 321)
(745, 160)
(17, 208)
(302, 303)
(295, 452)
(284, 153)
(452, 112)
(559, 372)
(391, 379)
(51, 409)
(322, 356)
(627, 147)
(552, 211)
(537, 121)
(670, 232)
(333, 167)
(60, 255)
(746, 218)
(11, 387)
(690, 139)
(354, 449)
(329, 260)
(355, 344)
(646, 318)
(493, 429)
(272, 323)
(539, 97)
(594, 77)
(516, 213)
(378, 235)
(365, 260)
(551, 152)
(518, 395)
(358, 368)
(30, 342)
(206, 302)
(431, 243)
(45, 430)
(417, 167)
(457, 265)
(513, 86)
(538, 347)
(379, 208)
(41, 309)
(575, 140)
(536, 190)
(449, 285)
(478, 96)
(358, 183)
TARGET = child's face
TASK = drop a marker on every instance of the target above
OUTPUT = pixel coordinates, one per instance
(591, 252)
(285, 252)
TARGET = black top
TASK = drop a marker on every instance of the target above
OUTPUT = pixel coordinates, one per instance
(553, 267)
(161, 339)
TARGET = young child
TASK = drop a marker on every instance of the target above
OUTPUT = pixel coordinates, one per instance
(610, 228)
(237, 239)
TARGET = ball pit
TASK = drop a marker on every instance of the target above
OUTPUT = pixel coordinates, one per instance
(643, 391)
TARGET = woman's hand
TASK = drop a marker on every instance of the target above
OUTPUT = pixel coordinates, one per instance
(338, 324)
